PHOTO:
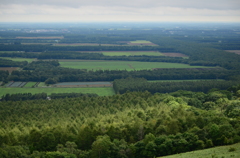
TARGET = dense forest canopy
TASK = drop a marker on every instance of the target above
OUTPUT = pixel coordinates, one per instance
(134, 124)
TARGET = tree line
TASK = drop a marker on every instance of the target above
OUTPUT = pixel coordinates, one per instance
(30, 96)
(10, 63)
(141, 84)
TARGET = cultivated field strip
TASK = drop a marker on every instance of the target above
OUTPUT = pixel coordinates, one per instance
(16, 84)
(83, 84)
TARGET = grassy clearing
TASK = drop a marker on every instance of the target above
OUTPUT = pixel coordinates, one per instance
(41, 84)
(30, 84)
(101, 91)
(217, 152)
(140, 41)
(121, 65)
(126, 53)
(19, 59)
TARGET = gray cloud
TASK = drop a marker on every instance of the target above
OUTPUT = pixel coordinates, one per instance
(206, 4)
(125, 10)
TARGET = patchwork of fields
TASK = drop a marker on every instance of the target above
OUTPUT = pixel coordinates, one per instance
(16, 84)
(101, 91)
(121, 43)
(83, 84)
(100, 88)
(83, 44)
(61, 84)
(121, 65)
(41, 37)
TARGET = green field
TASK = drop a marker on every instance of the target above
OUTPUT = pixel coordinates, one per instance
(30, 84)
(120, 65)
(41, 84)
(150, 53)
(19, 59)
(217, 152)
(101, 91)
(140, 41)
(83, 44)
(185, 80)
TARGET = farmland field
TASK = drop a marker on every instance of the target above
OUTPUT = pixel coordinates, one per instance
(19, 59)
(42, 37)
(140, 41)
(101, 91)
(9, 69)
(36, 43)
(217, 152)
(174, 55)
(128, 53)
(121, 65)
(83, 44)
(83, 84)
(30, 84)
(16, 84)
(234, 51)
(41, 84)
(184, 80)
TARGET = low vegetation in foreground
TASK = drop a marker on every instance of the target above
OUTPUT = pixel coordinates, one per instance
(228, 151)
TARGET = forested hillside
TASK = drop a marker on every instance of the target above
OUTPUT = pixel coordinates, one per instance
(134, 124)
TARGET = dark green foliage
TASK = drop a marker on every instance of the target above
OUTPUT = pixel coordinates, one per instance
(4, 75)
(29, 96)
(140, 84)
(41, 65)
(23, 96)
(232, 149)
(70, 95)
(10, 63)
(134, 124)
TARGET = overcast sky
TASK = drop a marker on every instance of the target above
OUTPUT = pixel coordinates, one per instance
(119, 10)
